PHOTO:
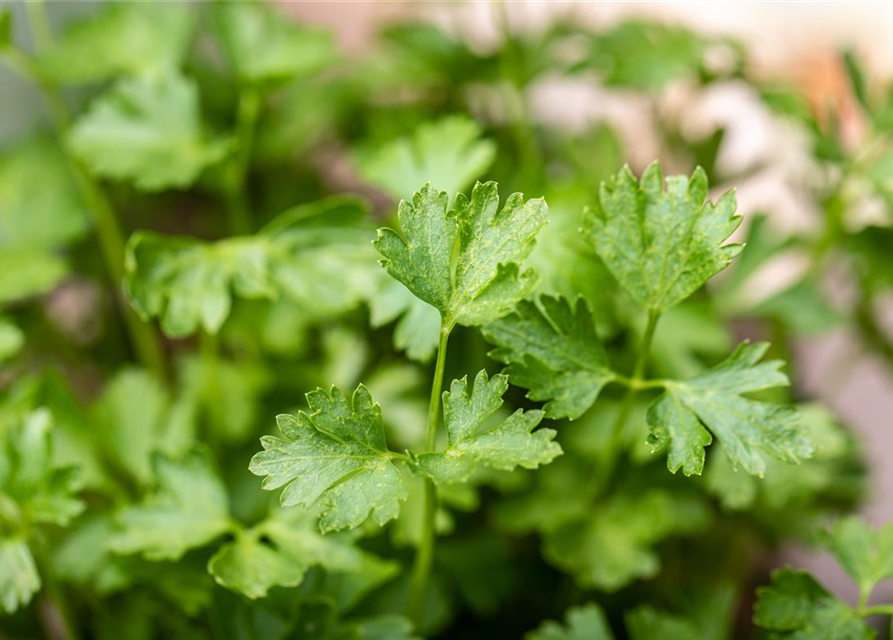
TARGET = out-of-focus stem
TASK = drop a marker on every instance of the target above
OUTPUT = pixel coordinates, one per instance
(143, 338)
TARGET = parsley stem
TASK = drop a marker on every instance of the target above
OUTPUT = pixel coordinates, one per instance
(421, 570)
(144, 340)
(237, 208)
(53, 610)
(877, 610)
(635, 383)
(436, 387)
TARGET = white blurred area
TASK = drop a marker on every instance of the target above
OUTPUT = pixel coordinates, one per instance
(798, 42)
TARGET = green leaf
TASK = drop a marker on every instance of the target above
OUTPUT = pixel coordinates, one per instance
(481, 281)
(418, 323)
(19, 580)
(747, 429)
(613, 546)
(552, 349)
(122, 38)
(148, 131)
(646, 55)
(132, 414)
(188, 283)
(317, 255)
(251, 567)
(335, 456)
(865, 554)
(646, 623)
(83, 558)
(509, 444)
(280, 550)
(448, 152)
(798, 607)
(264, 46)
(188, 509)
(586, 622)
(735, 489)
(42, 491)
(33, 491)
(27, 272)
(661, 239)
(227, 394)
(39, 218)
(11, 339)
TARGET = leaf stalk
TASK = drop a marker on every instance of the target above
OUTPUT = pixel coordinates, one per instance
(143, 338)
(421, 570)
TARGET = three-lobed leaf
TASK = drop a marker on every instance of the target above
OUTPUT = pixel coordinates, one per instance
(448, 152)
(796, 606)
(464, 261)
(264, 46)
(335, 456)
(662, 240)
(509, 444)
(614, 544)
(189, 508)
(551, 348)
(683, 418)
(317, 255)
(148, 131)
(279, 551)
(122, 38)
(866, 554)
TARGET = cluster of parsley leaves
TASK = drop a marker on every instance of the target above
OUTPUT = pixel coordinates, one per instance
(502, 388)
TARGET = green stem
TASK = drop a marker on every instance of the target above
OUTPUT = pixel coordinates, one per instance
(877, 610)
(634, 384)
(54, 613)
(40, 25)
(421, 570)
(144, 340)
(237, 208)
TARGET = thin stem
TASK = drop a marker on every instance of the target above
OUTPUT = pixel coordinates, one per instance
(877, 610)
(144, 340)
(634, 384)
(864, 594)
(421, 570)
(436, 387)
(53, 609)
(40, 25)
(237, 208)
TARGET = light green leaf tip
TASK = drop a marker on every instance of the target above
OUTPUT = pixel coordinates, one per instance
(479, 280)
(661, 239)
